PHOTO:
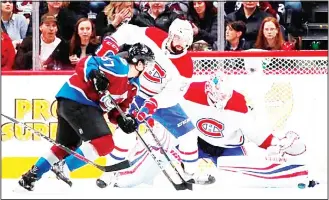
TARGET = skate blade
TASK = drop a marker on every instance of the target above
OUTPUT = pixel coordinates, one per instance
(20, 190)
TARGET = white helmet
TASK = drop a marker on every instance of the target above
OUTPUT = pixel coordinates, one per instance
(183, 29)
(218, 91)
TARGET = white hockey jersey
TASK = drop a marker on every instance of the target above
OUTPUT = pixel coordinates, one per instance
(227, 128)
(169, 78)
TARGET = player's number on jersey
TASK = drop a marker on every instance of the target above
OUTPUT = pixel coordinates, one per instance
(108, 62)
(155, 74)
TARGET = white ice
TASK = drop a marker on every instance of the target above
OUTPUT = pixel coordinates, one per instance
(86, 189)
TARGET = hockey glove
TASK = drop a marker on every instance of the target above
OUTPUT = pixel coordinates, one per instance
(101, 83)
(105, 103)
(147, 110)
(127, 125)
(290, 144)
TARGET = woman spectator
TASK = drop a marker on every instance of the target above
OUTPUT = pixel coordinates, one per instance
(203, 15)
(270, 37)
(234, 40)
(7, 52)
(83, 42)
(114, 14)
(15, 25)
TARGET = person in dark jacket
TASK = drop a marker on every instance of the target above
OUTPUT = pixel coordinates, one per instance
(252, 16)
(234, 34)
(203, 16)
(158, 15)
(80, 8)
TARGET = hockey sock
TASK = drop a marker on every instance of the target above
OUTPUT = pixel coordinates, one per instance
(188, 149)
(44, 163)
(87, 150)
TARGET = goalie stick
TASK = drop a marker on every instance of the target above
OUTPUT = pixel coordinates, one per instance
(182, 186)
(116, 167)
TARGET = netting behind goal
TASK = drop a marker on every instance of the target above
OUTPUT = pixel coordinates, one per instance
(288, 89)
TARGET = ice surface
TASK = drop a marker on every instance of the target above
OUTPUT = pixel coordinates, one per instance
(86, 188)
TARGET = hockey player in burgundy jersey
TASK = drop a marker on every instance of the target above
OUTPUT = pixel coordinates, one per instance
(83, 100)
(162, 86)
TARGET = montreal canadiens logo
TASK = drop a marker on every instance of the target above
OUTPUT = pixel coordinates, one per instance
(210, 127)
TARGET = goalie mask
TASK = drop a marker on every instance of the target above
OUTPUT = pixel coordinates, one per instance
(141, 52)
(218, 91)
(180, 35)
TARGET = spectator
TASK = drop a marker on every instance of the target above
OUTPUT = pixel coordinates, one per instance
(294, 22)
(7, 52)
(252, 16)
(203, 16)
(112, 17)
(234, 36)
(80, 8)
(97, 6)
(54, 52)
(270, 37)
(180, 7)
(14, 25)
(24, 8)
(66, 18)
(29, 27)
(83, 42)
(158, 15)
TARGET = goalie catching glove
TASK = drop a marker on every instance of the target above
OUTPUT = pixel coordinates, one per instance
(290, 144)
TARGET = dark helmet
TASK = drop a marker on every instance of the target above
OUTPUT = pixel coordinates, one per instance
(140, 52)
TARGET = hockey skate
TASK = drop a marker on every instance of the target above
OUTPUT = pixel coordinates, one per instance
(58, 169)
(29, 178)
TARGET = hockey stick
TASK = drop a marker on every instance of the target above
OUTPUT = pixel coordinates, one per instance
(182, 186)
(116, 167)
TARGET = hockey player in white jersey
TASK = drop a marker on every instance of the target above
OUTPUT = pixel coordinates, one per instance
(162, 86)
(224, 124)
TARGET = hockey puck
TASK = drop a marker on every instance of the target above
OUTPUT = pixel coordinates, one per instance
(100, 183)
(301, 185)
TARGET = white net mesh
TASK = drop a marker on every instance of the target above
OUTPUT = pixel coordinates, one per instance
(268, 65)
